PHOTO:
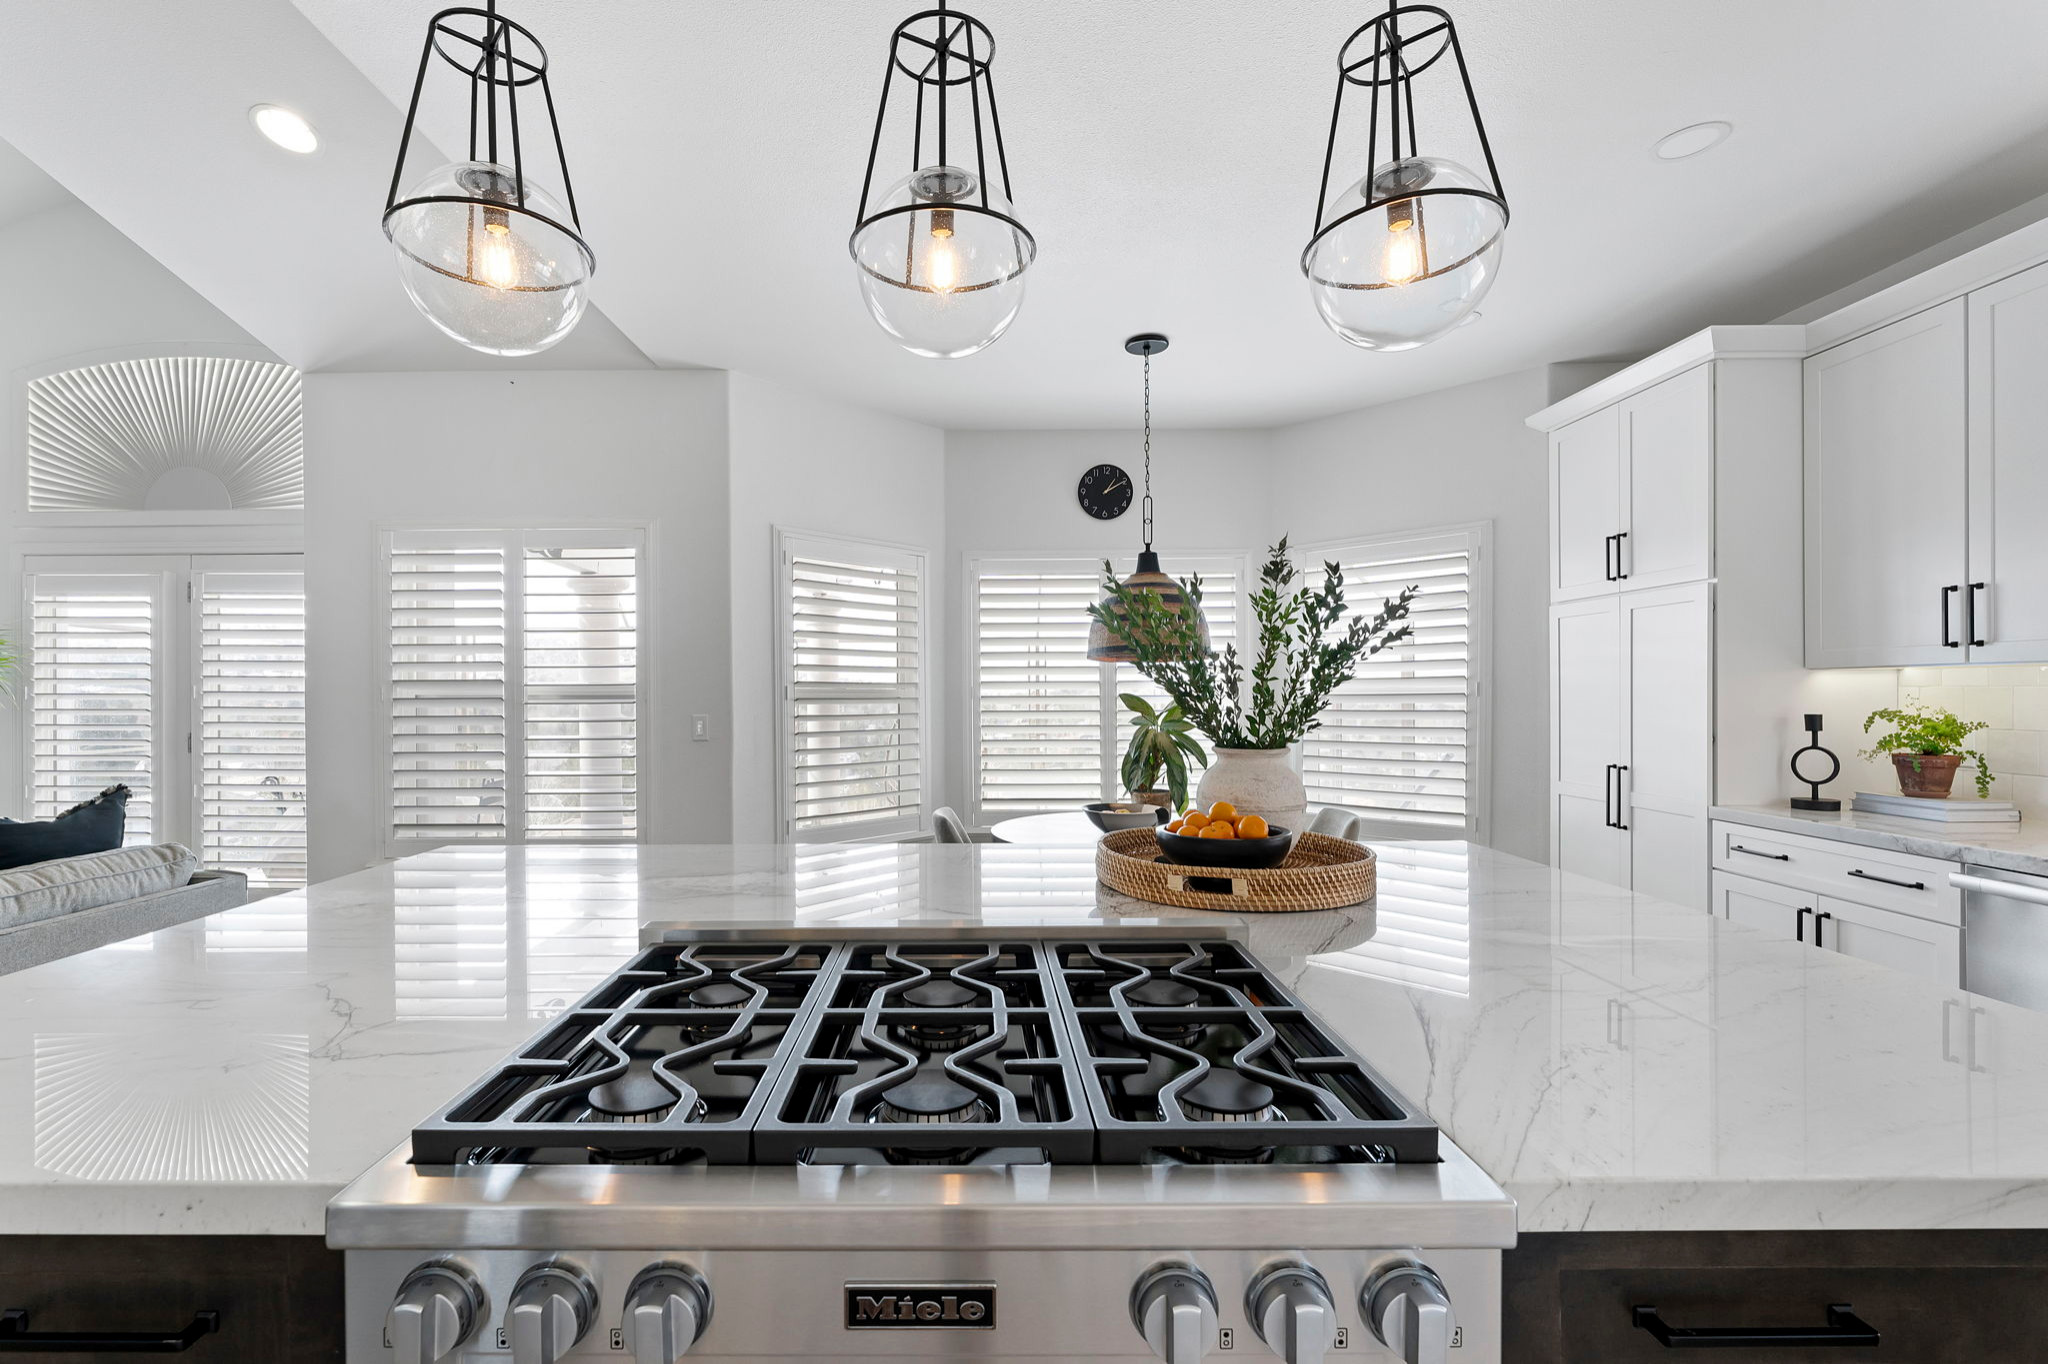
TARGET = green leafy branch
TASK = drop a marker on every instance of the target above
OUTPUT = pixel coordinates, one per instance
(1928, 731)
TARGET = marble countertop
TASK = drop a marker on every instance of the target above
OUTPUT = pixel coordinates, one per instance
(2024, 848)
(1615, 1063)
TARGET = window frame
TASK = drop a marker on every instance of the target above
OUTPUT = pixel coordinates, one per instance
(1475, 538)
(513, 539)
(787, 542)
(1179, 564)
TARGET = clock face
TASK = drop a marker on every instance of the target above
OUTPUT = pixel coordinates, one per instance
(1105, 492)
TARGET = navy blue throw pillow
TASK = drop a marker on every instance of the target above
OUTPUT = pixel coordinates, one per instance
(94, 826)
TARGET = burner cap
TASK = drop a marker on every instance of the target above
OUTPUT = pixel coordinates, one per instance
(937, 1037)
(632, 1096)
(1226, 1096)
(930, 1098)
(720, 994)
(1162, 993)
(1224, 1155)
(939, 993)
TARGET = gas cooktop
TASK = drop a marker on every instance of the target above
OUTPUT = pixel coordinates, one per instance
(933, 1051)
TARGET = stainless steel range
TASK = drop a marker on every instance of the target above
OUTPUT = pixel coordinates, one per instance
(968, 1146)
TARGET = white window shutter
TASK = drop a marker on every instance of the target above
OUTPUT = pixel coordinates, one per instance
(96, 666)
(449, 708)
(853, 688)
(1038, 697)
(580, 694)
(252, 724)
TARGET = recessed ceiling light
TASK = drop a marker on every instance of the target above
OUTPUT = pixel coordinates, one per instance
(287, 129)
(1692, 140)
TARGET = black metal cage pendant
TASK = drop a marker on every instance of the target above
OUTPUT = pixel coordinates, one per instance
(490, 257)
(941, 254)
(1405, 253)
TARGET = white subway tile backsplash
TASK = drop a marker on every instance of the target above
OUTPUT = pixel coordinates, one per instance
(2030, 708)
(1988, 705)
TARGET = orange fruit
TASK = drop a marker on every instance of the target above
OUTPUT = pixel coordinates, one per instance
(1174, 827)
(1251, 826)
(1218, 829)
(1222, 809)
(1192, 822)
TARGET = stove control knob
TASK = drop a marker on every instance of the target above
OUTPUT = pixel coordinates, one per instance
(550, 1309)
(1410, 1312)
(437, 1307)
(1174, 1308)
(1291, 1309)
(667, 1308)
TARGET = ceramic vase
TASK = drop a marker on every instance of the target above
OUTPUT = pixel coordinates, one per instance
(1258, 781)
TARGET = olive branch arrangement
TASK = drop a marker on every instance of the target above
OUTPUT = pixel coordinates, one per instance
(1304, 651)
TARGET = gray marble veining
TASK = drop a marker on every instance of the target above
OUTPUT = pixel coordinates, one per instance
(2024, 849)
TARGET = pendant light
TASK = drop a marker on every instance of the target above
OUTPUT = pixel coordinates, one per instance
(941, 255)
(1104, 647)
(489, 256)
(1406, 252)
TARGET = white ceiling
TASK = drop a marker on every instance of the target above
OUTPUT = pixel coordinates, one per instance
(1165, 153)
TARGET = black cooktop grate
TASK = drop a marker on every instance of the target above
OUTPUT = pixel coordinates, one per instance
(933, 1052)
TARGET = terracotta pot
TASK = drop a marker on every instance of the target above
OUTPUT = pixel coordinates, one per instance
(1258, 781)
(1926, 775)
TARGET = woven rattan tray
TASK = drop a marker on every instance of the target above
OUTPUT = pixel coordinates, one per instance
(1320, 873)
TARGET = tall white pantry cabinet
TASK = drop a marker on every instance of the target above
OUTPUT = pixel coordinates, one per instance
(1675, 613)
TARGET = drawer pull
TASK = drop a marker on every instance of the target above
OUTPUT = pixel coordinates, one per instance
(1752, 852)
(1844, 1328)
(15, 1337)
(1887, 881)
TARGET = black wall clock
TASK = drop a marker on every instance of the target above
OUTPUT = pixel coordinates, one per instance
(1105, 492)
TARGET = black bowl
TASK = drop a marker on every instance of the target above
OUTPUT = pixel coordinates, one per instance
(1240, 853)
(1106, 817)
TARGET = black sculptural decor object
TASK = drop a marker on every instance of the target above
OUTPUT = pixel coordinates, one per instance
(1816, 801)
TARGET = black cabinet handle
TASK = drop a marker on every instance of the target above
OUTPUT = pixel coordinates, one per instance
(1946, 642)
(1970, 616)
(1844, 1328)
(15, 1337)
(1818, 932)
(1887, 881)
(1799, 922)
(1607, 796)
(1607, 558)
(1619, 808)
(1752, 852)
(1619, 536)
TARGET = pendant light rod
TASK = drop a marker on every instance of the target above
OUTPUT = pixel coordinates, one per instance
(1147, 344)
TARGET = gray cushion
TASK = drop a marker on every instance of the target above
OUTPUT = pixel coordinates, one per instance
(48, 890)
(209, 892)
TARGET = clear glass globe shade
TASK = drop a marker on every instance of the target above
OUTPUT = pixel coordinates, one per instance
(942, 276)
(1397, 277)
(498, 280)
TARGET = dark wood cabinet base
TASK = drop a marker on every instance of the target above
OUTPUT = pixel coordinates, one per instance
(1934, 1297)
(279, 1297)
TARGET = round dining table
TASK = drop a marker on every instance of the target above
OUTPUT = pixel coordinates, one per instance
(1065, 828)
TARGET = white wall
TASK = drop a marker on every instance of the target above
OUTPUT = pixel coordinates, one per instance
(533, 449)
(809, 463)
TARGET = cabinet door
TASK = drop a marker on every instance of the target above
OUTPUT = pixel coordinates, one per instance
(2008, 485)
(1667, 481)
(1763, 906)
(1586, 738)
(1931, 951)
(1585, 505)
(1667, 659)
(1885, 513)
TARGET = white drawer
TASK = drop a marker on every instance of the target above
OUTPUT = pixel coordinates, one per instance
(1867, 876)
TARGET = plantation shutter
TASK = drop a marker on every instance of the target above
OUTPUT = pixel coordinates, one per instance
(1396, 742)
(852, 668)
(580, 656)
(252, 723)
(448, 694)
(1039, 739)
(95, 677)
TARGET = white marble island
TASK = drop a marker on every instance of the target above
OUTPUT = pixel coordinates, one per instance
(1615, 1063)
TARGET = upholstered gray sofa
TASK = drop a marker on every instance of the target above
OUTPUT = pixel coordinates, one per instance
(54, 909)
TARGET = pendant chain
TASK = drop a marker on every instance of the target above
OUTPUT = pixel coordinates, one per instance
(1148, 450)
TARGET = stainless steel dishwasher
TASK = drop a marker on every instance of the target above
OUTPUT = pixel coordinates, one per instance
(2005, 934)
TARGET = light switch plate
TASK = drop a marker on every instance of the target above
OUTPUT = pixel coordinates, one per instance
(700, 728)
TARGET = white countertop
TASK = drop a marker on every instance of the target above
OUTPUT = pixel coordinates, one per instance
(2015, 847)
(1613, 1062)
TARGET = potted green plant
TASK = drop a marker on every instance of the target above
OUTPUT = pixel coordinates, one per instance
(1161, 742)
(1926, 746)
(1306, 649)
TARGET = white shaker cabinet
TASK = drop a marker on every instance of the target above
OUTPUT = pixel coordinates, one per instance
(1585, 505)
(1586, 739)
(1919, 947)
(1886, 455)
(1780, 911)
(2005, 601)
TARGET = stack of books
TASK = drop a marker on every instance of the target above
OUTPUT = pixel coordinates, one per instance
(1954, 810)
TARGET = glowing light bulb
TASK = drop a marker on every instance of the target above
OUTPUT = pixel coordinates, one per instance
(495, 259)
(1402, 260)
(942, 264)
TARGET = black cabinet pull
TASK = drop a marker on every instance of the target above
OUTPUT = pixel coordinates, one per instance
(1607, 797)
(1607, 558)
(1619, 808)
(1844, 1328)
(1619, 536)
(1752, 852)
(1799, 922)
(15, 1337)
(1887, 881)
(1818, 931)
(1946, 642)
(1970, 616)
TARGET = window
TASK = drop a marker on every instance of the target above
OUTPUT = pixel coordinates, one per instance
(185, 679)
(513, 686)
(852, 688)
(1049, 732)
(1401, 742)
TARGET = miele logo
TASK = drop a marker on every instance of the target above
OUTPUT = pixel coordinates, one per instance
(926, 1306)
